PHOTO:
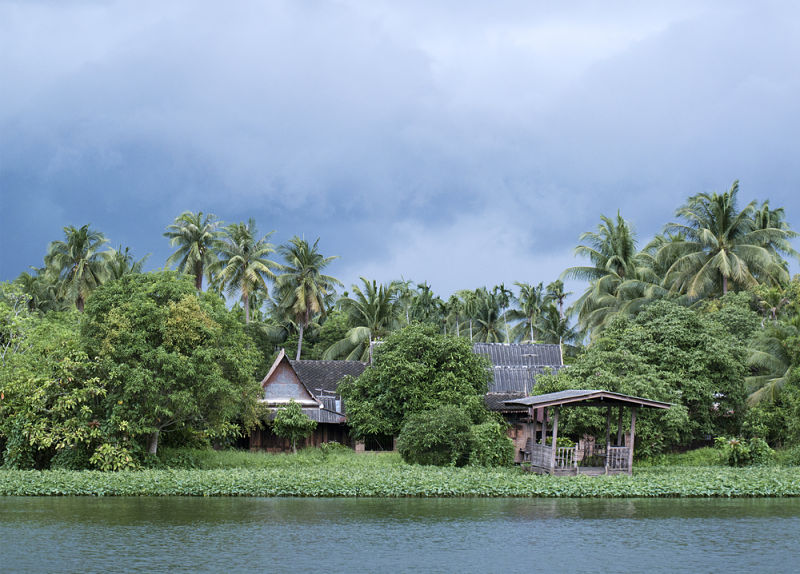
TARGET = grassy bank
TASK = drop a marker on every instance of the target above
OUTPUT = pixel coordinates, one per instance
(312, 474)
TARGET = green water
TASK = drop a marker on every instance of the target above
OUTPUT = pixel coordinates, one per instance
(398, 535)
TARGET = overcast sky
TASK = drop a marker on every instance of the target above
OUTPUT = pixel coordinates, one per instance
(462, 143)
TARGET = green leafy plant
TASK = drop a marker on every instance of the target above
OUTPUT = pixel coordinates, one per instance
(291, 423)
(490, 446)
(438, 437)
(110, 457)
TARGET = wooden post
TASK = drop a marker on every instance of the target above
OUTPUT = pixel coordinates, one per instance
(633, 440)
(608, 437)
(619, 427)
(555, 441)
(544, 426)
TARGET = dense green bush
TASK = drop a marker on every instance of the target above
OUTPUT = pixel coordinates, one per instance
(490, 446)
(387, 476)
(439, 437)
(739, 452)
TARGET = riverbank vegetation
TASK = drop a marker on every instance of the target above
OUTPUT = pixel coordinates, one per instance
(101, 363)
(319, 474)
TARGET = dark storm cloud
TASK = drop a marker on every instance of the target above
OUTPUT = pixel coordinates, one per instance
(460, 143)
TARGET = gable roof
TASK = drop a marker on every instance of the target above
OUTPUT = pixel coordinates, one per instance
(596, 397)
(514, 370)
(324, 376)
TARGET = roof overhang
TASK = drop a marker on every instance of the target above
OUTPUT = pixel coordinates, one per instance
(586, 398)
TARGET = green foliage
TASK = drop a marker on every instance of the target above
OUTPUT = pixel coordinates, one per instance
(387, 476)
(415, 369)
(173, 360)
(490, 446)
(50, 395)
(705, 456)
(290, 422)
(110, 457)
(439, 437)
(739, 452)
(668, 353)
(736, 314)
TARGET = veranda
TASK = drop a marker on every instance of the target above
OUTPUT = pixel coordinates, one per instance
(616, 458)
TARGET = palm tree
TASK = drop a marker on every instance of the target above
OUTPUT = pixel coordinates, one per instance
(613, 256)
(771, 354)
(557, 295)
(722, 246)
(373, 312)
(487, 319)
(530, 302)
(470, 306)
(196, 237)
(455, 310)
(557, 330)
(43, 291)
(503, 296)
(426, 306)
(120, 263)
(242, 266)
(77, 263)
(304, 291)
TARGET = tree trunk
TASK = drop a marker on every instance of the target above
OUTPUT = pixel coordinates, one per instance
(79, 303)
(246, 299)
(531, 329)
(470, 330)
(152, 443)
(198, 276)
(294, 446)
(299, 343)
(724, 284)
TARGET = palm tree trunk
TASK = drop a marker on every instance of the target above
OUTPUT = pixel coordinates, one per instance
(299, 343)
(79, 303)
(246, 299)
(198, 276)
(470, 330)
(724, 284)
(531, 328)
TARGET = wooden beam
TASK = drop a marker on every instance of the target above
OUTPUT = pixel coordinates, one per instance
(555, 441)
(544, 426)
(633, 439)
(608, 436)
(619, 427)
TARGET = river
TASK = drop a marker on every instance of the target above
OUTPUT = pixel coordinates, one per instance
(230, 535)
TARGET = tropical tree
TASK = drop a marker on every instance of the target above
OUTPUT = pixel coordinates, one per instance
(503, 297)
(455, 310)
(531, 301)
(723, 246)
(77, 263)
(772, 354)
(612, 254)
(43, 290)
(488, 318)
(242, 265)
(121, 262)
(373, 311)
(557, 295)
(196, 237)
(303, 289)
(471, 302)
(292, 423)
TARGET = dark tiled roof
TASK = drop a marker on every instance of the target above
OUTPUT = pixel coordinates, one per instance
(324, 376)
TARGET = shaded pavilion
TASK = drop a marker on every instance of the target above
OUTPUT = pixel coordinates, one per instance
(553, 459)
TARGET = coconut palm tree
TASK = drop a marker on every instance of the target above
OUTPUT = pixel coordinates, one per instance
(471, 303)
(373, 311)
(77, 263)
(43, 291)
(612, 254)
(771, 353)
(121, 262)
(196, 237)
(557, 295)
(488, 317)
(530, 302)
(723, 248)
(242, 265)
(303, 289)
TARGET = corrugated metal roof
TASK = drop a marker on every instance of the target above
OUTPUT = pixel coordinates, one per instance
(573, 396)
(515, 368)
(324, 376)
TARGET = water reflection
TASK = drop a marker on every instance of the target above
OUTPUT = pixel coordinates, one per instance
(404, 535)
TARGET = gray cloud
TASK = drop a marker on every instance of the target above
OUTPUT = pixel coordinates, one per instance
(461, 143)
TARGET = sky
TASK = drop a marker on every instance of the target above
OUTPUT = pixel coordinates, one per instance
(462, 143)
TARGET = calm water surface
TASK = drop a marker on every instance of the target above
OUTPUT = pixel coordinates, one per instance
(406, 535)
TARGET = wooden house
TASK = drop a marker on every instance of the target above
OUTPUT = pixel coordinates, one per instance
(312, 384)
(514, 370)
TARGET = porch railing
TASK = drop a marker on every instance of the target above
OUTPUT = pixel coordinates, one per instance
(618, 457)
(542, 456)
